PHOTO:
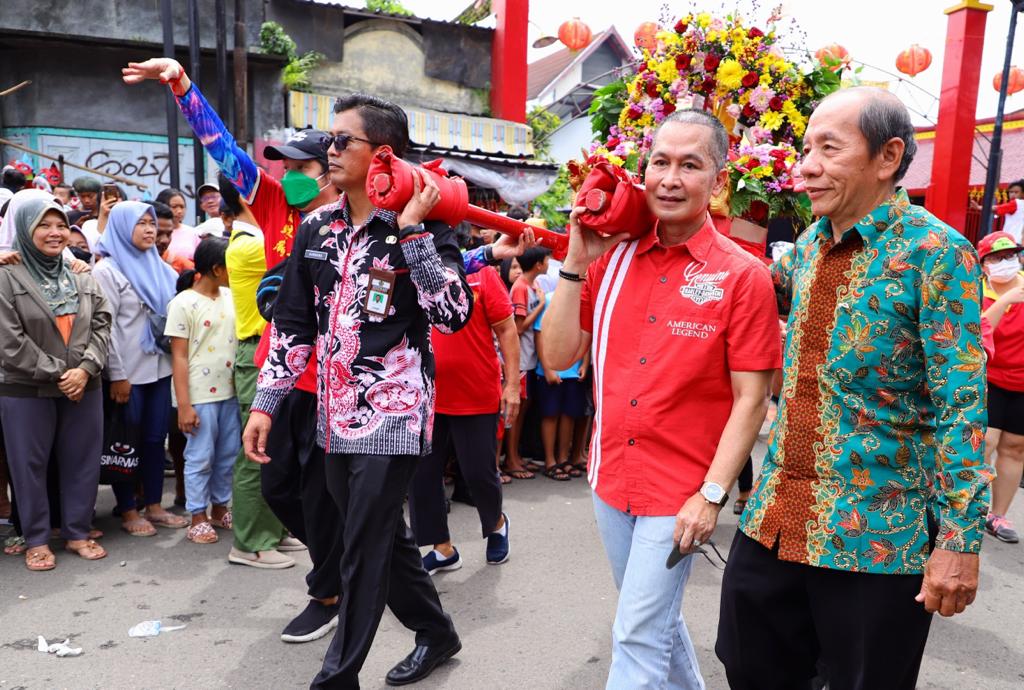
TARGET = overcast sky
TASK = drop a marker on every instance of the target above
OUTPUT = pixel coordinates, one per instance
(874, 31)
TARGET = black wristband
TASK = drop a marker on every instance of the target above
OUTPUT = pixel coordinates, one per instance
(489, 255)
(572, 277)
(411, 230)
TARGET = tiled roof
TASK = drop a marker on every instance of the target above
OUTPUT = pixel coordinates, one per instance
(920, 173)
(545, 70)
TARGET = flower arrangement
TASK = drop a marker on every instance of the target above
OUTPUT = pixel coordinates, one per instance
(741, 75)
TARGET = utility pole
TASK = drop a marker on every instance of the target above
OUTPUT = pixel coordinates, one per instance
(198, 157)
(167, 20)
(241, 76)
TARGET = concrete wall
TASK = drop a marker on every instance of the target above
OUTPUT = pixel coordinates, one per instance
(566, 143)
(386, 58)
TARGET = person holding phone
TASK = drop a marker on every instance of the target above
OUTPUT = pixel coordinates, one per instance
(685, 336)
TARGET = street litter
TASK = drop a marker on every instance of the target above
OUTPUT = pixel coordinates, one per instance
(58, 648)
(151, 629)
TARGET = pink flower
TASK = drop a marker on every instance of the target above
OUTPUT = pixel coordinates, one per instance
(761, 98)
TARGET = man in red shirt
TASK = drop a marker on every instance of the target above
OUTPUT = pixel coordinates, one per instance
(684, 334)
(470, 399)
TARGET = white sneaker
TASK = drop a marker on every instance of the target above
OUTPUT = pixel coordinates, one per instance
(271, 560)
(291, 544)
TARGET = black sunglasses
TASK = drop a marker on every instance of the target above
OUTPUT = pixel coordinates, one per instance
(340, 141)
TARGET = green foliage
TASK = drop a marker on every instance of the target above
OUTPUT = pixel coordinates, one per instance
(606, 106)
(275, 41)
(543, 123)
(295, 75)
(388, 7)
(558, 196)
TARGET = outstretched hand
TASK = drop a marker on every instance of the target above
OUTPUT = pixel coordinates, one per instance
(166, 70)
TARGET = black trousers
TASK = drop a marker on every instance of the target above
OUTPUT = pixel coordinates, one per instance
(293, 486)
(381, 564)
(475, 441)
(779, 619)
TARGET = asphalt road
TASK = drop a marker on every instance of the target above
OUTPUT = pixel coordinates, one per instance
(540, 621)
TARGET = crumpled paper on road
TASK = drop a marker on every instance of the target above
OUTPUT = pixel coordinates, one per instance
(58, 648)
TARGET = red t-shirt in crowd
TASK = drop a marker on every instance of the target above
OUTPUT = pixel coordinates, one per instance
(1006, 365)
(279, 223)
(669, 324)
(468, 369)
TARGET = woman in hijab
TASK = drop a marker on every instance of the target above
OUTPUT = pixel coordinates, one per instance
(139, 285)
(54, 332)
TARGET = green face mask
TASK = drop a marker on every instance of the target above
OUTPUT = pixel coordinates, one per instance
(299, 189)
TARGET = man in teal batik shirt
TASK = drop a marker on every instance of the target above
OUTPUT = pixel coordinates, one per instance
(870, 508)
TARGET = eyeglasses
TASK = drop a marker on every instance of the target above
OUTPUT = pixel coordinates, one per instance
(340, 141)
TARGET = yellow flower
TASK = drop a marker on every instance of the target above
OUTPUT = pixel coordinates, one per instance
(669, 38)
(703, 19)
(730, 75)
(712, 36)
(667, 71)
(739, 35)
(615, 160)
(771, 120)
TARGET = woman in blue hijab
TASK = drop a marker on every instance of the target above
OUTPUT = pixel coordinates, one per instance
(138, 285)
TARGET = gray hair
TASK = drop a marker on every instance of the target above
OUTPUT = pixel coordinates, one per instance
(718, 145)
(884, 117)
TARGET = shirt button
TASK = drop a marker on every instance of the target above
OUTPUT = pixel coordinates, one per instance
(663, 279)
(651, 319)
(633, 403)
(643, 360)
(632, 441)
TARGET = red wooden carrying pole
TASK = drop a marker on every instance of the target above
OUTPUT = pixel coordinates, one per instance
(954, 134)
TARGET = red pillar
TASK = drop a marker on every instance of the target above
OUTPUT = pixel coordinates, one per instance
(508, 60)
(954, 133)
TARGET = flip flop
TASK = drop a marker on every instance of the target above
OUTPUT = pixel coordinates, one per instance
(556, 473)
(570, 469)
(39, 560)
(505, 478)
(90, 550)
(169, 520)
(138, 528)
(520, 474)
(14, 546)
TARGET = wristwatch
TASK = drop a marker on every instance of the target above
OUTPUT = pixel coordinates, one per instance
(714, 494)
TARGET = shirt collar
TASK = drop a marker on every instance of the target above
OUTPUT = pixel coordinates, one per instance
(389, 217)
(698, 245)
(875, 223)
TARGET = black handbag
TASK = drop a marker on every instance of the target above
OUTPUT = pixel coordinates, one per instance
(119, 461)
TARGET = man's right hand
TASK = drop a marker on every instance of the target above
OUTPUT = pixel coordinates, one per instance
(508, 247)
(586, 246)
(120, 391)
(552, 377)
(166, 70)
(254, 438)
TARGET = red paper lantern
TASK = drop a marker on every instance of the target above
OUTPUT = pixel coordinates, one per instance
(835, 54)
(574, 34)
(914, 60)
(644, 36)
(1016, 81)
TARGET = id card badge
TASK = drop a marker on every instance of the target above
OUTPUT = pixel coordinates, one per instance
(380, 290)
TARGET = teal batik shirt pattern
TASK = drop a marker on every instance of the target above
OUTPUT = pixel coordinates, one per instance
(882, 413)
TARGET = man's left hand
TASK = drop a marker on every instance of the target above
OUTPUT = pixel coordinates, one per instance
(695, 523)
(510, 401)
(508, 247)
(950, 582)
(424, 198)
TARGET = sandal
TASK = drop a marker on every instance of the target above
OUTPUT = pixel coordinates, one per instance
(14, 546)
(505, 478)
(40, 559)
(95, 533)
(202, 534)
(521, 474)
(570, 469)
(166, 519)
(555, 472)
(90, 550)
(534, 466)
(139, 528)
(224, 522)
(738, 506)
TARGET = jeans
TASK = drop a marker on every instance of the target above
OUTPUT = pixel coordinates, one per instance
(148, 407)
(210, 455)
(650, 645)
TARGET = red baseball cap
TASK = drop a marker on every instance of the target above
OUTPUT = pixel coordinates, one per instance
(997, 242)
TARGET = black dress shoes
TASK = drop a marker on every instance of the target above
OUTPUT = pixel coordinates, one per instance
(423, 660)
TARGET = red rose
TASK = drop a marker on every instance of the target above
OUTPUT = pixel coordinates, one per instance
(779, 167)
(683, 61)
(758, 212)
(635, 112)
(708, 85)
(749, 112)
(755, 32)
(681, 27)
(651, 89)
(751, 79)
(775, 104)
(777, 154)
(612, 142)
(669, 108)
(711, 62)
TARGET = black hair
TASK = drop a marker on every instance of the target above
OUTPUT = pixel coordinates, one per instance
(1019, 184)
(210, 254)
(463, 235)
(75, 216)
(383, 122)
(531, 257)
(186, 280)
(229, 195)
(165, 195)
(504, 270)
(86, 184)
(882, 118)
(13, 179)
(718, 147)
(162, 210)
(517, 213)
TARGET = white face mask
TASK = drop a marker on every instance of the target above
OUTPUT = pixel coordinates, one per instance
(1003, 271)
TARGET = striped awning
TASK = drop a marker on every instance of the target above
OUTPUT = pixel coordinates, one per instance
(429, 127)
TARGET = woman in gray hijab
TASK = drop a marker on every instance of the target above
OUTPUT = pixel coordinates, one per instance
(54, 331)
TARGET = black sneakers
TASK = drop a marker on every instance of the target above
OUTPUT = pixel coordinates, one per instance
(315, 621)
